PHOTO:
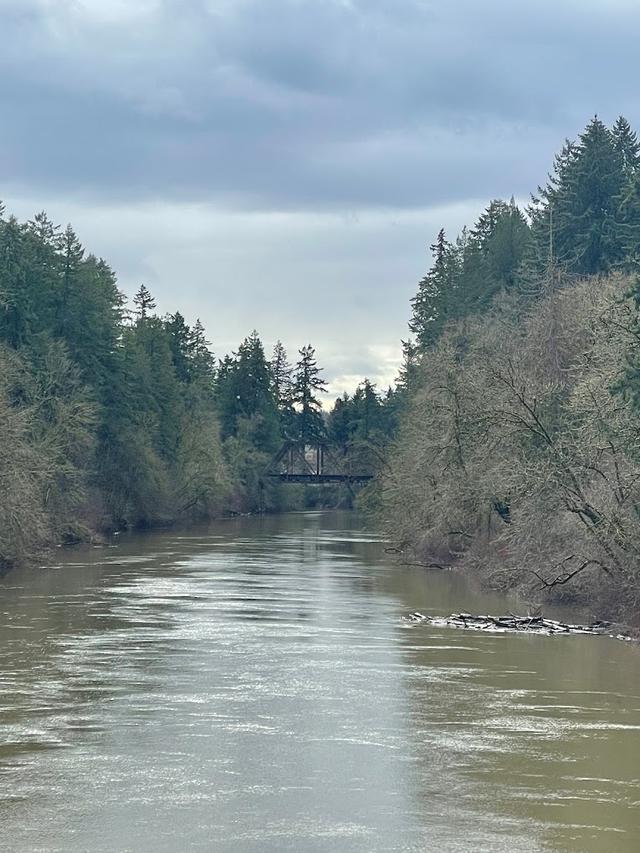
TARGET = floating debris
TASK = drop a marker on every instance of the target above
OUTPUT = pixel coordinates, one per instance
(513, 624)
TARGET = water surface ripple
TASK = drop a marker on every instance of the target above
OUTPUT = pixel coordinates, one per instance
(252, 688)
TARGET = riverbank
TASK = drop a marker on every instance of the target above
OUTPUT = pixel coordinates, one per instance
(516, 459)
(527, 595)
(90, 531)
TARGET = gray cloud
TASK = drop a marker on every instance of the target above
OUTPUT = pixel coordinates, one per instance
(303, 103)
(283, 164)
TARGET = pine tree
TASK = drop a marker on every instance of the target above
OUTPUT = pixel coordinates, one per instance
(144, 302)
(281, 373)
(626, 144)
(576, 221)
(45, 231)
(435, 302)
(179, 337)
(245, 397)
(17, 305)
(367, 411)
(491, 256)
(307, 382)
(340, 425)
(202, 360)
(282, 379)
(541, 258)
(407, 375)
(72, 254)
(591, 217)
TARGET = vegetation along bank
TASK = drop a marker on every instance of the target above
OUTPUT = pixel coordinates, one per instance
(112, 416)
(510, 446)
(517, 456)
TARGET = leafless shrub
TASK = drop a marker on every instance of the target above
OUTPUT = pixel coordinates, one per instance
(517, 442)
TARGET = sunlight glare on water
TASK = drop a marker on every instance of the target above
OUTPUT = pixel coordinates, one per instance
(252, 688)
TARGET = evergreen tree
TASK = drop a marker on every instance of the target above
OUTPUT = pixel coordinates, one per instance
(281, 373)
(18, 308)
(340, 425)
(144, 302)
(72, 254)
(435, 301)
(282, 378)
(626, 144)
(201, 359)
(244, 393)
(307, 382)
(576, 220)
(179, 340)
(491, 256)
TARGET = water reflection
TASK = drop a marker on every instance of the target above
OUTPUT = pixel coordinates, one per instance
(251, 687)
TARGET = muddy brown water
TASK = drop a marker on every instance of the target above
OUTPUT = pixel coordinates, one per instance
(252, 688)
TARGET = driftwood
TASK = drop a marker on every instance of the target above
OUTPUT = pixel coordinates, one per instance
(513, 624)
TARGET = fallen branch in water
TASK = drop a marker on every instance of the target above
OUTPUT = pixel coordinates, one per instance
(428, 566)
(513, 624)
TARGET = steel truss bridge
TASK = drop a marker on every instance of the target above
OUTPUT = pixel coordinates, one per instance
(314, 463)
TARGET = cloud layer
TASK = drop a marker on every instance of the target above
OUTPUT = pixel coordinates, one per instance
(324, 110)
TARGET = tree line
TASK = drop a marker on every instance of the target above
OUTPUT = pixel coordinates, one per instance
(517, 448)
(112, 416)
(584, 221)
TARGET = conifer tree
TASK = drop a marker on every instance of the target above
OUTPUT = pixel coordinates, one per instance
(281, 373)
(435, 301)
(245, 397)
(307, 382)
(340, 425)
(626, 144)
(202, 360)
(144, 302)
(179, 334)
(17, 305)
(577, 220)
(282, 379)
(72, 254)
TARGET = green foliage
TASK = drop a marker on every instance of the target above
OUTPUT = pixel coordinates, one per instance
(114, 418)
(307, 382)
(518, 401)
(245, 394)
(584, 221)
(102, 421)
(359, 427)
(467, 275)
(515, 459)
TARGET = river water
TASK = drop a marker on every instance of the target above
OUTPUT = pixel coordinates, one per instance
(252, 688)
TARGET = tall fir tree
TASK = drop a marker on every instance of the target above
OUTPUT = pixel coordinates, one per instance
(626, 144)
(576, 219)
(435, 302)
(307, 383)
(144, 302)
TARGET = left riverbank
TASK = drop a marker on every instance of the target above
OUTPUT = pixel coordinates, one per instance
(113, 417)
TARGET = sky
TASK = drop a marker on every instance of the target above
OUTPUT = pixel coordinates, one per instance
(284, 165)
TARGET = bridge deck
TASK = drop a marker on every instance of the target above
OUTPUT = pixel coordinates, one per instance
(321, 478)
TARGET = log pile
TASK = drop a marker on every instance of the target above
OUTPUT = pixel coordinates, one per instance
(513, 624)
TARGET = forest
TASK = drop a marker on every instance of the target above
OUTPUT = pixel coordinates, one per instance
(517, 455)
(112, 417)
(510, 445)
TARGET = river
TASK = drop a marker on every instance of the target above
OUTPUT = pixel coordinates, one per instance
(251, 687)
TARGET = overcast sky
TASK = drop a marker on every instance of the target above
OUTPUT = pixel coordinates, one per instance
(284, 164)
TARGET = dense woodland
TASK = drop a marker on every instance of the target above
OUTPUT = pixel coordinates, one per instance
(518, 450)
(511, 444)
(113, 417)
